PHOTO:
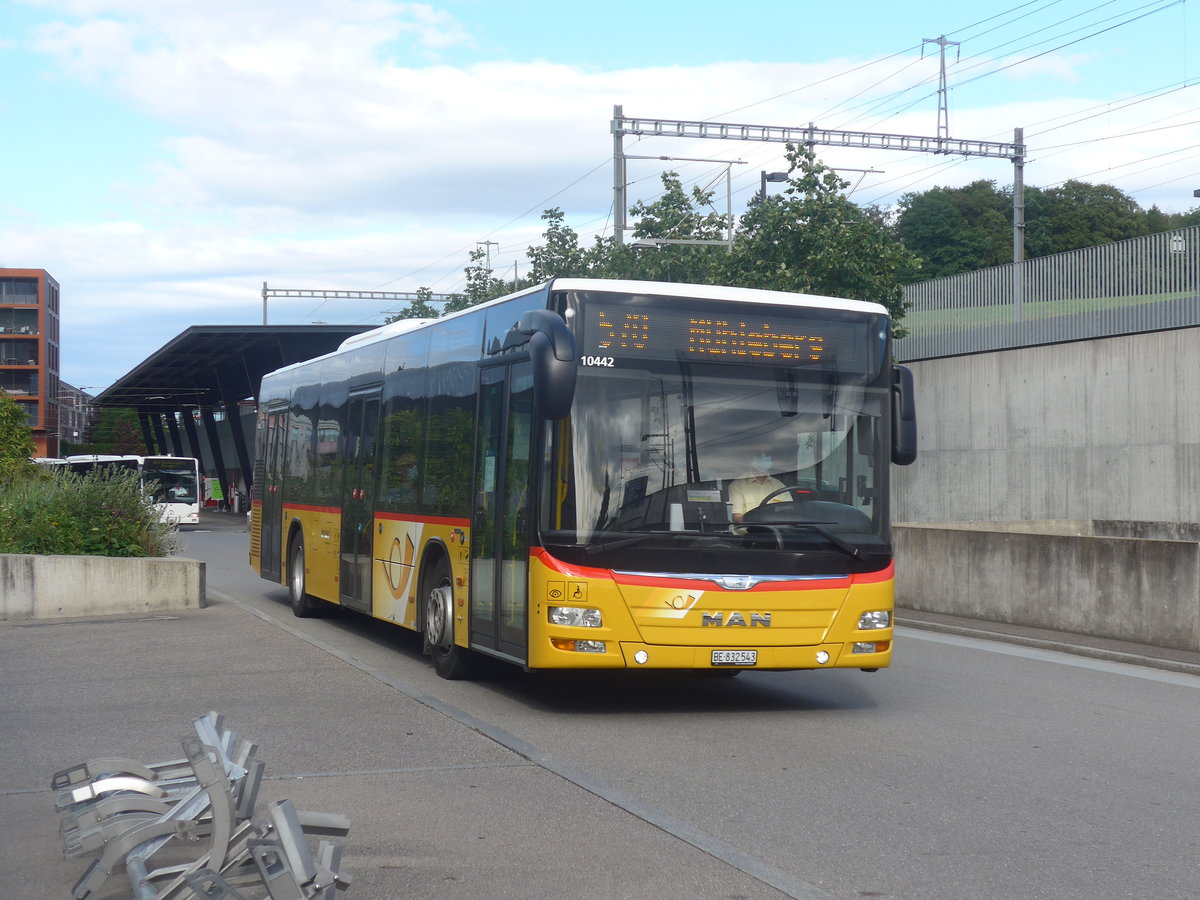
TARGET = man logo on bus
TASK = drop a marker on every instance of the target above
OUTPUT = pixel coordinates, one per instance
(735, 618)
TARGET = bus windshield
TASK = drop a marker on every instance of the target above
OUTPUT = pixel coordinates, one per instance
(685, 454)
(175, 479)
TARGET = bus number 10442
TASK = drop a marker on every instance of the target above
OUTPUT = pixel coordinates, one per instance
(605, 361)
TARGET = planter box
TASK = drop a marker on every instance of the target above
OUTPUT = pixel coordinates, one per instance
(49, 587)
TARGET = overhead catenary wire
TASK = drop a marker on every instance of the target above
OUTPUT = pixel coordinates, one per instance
(982, 69)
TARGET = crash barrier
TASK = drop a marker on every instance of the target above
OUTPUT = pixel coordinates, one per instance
(146, 818)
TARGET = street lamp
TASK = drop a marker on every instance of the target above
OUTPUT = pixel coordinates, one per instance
(774, 178)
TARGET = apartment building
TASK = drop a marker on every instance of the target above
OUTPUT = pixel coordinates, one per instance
(29, 350)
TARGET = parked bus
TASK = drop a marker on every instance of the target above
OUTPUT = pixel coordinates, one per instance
(552, 479)
(173, 480)
(177, 495)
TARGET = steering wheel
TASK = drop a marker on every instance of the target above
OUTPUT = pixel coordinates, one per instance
(783, 490)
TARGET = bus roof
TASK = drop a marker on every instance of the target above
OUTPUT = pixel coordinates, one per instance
(715, 292)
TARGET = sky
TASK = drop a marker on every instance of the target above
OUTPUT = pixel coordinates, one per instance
(162, 159)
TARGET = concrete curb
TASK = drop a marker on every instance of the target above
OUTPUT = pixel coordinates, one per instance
(1149, 657)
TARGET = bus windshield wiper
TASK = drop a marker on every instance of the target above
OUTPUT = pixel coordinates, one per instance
(818, 527)
(614, 543)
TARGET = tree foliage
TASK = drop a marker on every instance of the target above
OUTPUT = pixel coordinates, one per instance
(16, 437)
(118, 431)
(812, 238)
(420, 307)
(956, 230)
(16, 441)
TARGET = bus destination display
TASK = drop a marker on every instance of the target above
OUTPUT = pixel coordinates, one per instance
(752, 336)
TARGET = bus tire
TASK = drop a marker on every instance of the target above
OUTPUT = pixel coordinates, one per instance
(304, 604)
(449, 660)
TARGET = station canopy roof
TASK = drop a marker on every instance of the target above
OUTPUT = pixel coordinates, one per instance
(208, 365)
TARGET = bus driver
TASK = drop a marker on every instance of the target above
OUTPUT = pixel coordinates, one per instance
(748, 492)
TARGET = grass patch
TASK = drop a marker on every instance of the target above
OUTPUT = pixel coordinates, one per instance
(935, 321)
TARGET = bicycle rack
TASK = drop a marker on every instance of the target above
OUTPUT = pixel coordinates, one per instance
(124, 812)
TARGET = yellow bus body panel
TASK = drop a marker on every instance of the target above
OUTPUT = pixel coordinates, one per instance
(787, 623)
(400, 546)
(321, 528)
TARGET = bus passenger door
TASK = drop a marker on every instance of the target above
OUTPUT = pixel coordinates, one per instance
(358, 500)
(270, 511)
(499, 527)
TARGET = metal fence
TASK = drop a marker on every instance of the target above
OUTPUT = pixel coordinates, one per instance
(1149, 283)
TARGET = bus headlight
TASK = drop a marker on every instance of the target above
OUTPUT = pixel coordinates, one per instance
(576, 616)
(876, 618)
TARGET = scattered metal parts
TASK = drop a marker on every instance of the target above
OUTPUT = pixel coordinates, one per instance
(124, 812)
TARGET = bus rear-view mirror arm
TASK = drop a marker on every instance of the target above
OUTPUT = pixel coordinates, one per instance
(555, 361)
(904, 417)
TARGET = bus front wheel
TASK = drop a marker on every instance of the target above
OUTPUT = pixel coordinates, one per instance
(449, 660)
(304, 604)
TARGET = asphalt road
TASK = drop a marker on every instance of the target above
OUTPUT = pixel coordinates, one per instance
(970, 768)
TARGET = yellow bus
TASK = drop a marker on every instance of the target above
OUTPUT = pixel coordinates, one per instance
(598, 474)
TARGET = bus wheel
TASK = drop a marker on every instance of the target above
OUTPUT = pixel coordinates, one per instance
(303, 603)
(449, 660)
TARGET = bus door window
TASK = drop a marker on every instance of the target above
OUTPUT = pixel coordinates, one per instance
(483, 530)
(515, 546)
(558, 489)
(358, 500)
(500, 532)
(272, 494)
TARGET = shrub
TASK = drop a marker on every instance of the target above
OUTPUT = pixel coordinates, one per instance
(102, 513)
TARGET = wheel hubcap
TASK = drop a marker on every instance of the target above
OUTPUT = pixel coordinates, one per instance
(437, 617)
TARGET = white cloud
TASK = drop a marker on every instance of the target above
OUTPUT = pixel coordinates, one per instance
(336, 143)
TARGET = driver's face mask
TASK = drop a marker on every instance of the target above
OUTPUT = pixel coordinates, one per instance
(762, 463)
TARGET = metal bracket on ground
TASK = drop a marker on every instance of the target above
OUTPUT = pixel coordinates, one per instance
(124, 812)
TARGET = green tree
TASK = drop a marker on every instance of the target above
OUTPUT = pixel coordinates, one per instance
(560, 255)
(1077, 214)
(420, 307)
(812, 238)
(957, 230)
(678, 215)
(117, 430)
(481, 285)
(16, 440)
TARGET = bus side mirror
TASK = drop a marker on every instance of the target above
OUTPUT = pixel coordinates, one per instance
(555, 362)
(904, 417)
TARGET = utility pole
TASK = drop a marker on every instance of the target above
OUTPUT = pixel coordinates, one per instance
(619, 182)
(487, 247)
(1018, 222)
(943, 124)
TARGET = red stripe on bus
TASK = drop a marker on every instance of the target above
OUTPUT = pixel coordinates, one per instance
(884, 574)
(799, 583)
(425, 520)
(389, 516)
(304, 507)
(808, 584)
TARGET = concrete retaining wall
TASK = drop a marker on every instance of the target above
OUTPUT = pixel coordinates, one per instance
(1103, 429)
(48, 587)
(1101, 578)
